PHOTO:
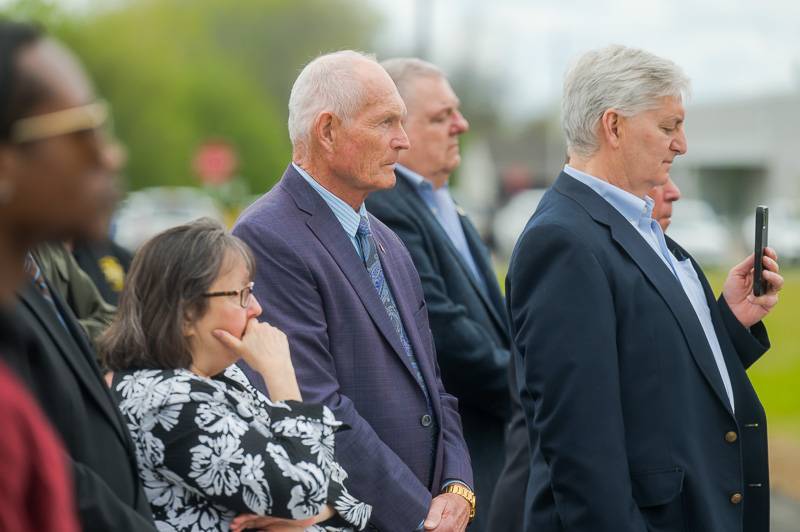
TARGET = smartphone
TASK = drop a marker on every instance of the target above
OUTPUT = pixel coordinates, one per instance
(760, 286)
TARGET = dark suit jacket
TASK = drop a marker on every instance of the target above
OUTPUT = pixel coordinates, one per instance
(469, 325)
(630, 426)
(313, 285)
(507, 512)
(59, 367)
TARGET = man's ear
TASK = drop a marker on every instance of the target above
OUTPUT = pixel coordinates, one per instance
(325, 129)
(610, 127)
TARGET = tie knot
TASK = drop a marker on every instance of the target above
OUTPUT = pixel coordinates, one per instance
(363, 227)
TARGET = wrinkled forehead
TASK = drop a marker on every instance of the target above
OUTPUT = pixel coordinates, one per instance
(379, 93)
(59, 75)
(430, 90)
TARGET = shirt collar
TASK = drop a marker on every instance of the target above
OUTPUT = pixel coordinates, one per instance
(343, 212)
(416, 179)
(633, 208)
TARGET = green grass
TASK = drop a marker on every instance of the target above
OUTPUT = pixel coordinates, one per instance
(776, 376)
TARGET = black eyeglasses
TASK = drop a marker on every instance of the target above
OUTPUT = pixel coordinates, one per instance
(245, 294)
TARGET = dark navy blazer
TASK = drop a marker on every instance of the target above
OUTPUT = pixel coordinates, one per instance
(469, 324)
(629, 423)
(313, 285)
(58, 364)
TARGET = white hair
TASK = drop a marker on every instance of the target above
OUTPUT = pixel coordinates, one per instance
(628, 80)
(405, 70)
(328, 83)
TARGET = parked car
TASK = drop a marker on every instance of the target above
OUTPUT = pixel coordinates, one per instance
(510, 221)
(698, 229)
(147, 212)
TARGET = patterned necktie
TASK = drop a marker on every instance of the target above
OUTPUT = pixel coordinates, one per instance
(369, 253)
(35, 273)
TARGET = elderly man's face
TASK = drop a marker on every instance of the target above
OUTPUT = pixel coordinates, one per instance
(663, 196)
(366, 147)
(433, 124)
(649, 142)
(65, 184)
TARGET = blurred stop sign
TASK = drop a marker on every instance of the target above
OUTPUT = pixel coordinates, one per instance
(215, 162)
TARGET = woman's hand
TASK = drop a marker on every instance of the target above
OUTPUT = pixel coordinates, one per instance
(277, 524)
(265, 349)
(265, 523)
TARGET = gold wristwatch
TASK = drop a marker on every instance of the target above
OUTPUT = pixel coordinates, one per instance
(462, 490)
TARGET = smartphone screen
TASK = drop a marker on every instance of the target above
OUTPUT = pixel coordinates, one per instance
(760, 286)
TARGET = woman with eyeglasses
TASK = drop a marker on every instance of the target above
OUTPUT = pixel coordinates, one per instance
(210, 447)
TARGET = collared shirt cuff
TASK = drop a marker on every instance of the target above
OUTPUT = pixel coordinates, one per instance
(455, 481)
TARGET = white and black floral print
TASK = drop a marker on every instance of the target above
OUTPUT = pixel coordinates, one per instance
(211, 449)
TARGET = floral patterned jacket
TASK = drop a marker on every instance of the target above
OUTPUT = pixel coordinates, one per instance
(211, 449)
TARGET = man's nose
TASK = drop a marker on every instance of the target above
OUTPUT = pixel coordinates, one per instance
(679, 143)
(400, 141)
(460, 124)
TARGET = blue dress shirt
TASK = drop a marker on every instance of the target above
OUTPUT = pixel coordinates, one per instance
(639, 213)
(444, 209)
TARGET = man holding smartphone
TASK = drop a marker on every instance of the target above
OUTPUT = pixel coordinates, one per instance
(633, 378)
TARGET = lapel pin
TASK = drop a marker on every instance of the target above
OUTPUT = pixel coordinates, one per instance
(380, 246)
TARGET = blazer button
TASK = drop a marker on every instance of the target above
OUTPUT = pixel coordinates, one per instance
(426, 420)
(731, 437)
(736, 498)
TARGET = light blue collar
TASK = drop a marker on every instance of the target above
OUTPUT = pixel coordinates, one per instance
(343, 212)
(415, 178)
(633, 208)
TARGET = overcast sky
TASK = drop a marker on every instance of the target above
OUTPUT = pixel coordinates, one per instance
(729, 48)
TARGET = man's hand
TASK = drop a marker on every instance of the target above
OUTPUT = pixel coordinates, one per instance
(449, 513)
(738, 289)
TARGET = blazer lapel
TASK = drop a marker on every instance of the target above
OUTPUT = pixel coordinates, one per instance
(493, 299)
(657, 273)
(75, 349)
(422, 210)
(329, 232)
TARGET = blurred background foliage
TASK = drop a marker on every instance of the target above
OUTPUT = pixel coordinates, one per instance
(180, 72)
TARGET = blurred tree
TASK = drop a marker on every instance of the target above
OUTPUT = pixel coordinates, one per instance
(178, 72)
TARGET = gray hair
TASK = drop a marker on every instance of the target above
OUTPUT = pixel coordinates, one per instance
(328, 83)
(404, 70)
(165, 287)
(615, 77)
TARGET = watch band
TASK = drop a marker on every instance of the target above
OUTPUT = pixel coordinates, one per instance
(460, 489)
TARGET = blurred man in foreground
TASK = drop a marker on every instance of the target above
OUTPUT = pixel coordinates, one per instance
(465, 306)
(57, 176)
(343, 288)
(639, 410)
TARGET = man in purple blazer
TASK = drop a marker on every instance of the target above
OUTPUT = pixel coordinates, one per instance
(343, 288)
